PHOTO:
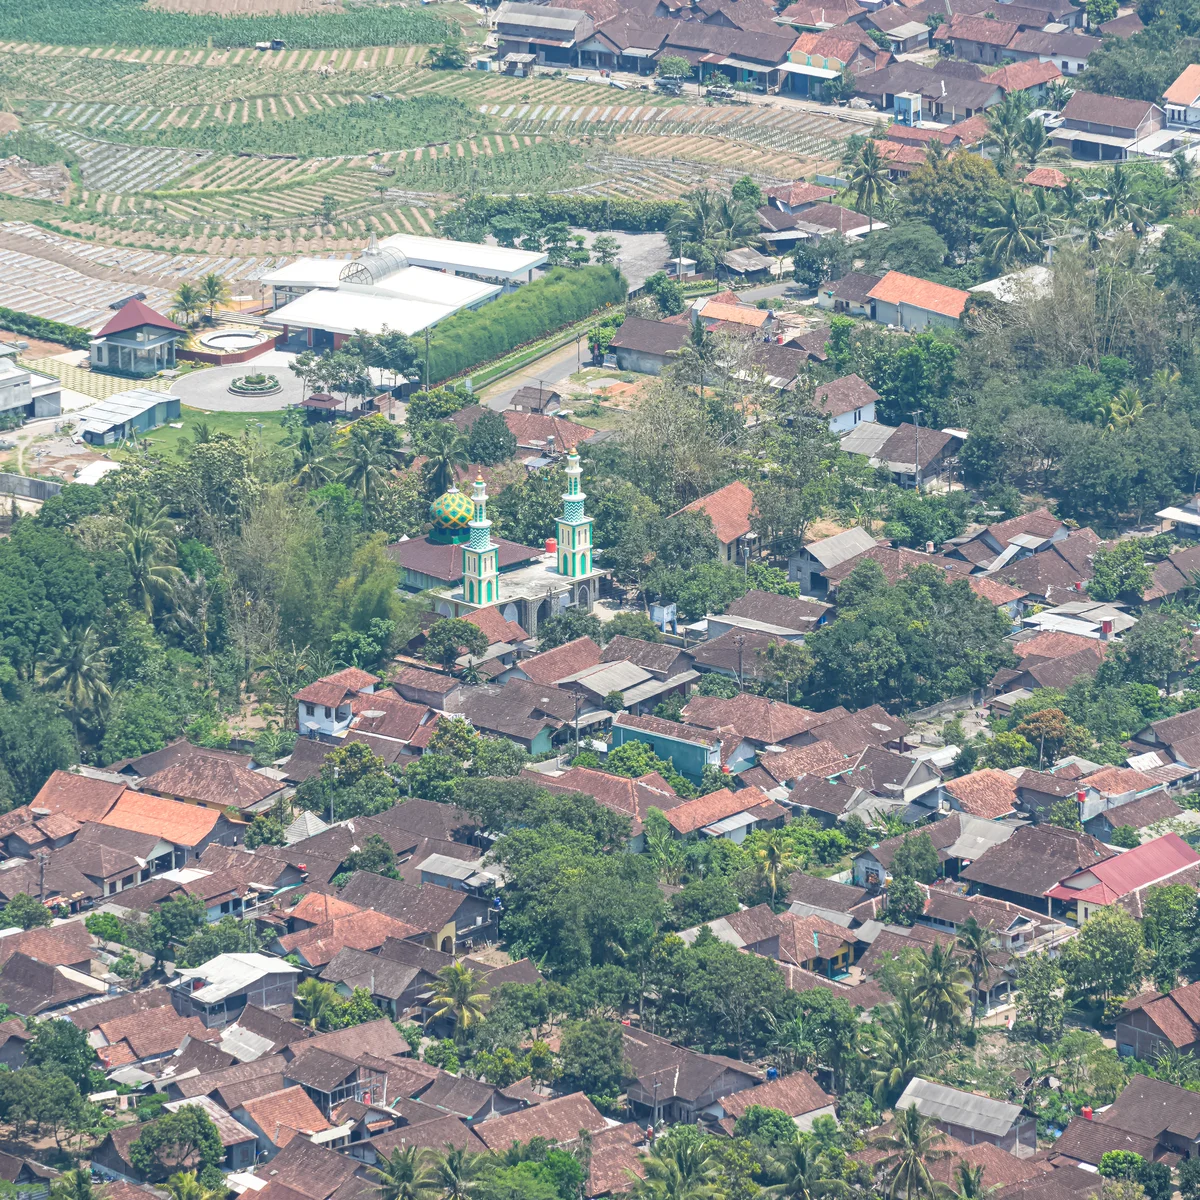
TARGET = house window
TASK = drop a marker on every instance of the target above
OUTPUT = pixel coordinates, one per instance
(328, 712)
(127, 881)
(310, 710)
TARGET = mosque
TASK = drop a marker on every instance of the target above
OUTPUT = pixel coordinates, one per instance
(467, 569)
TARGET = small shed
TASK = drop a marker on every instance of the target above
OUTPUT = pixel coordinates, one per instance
(138, 410)
(971, 1118)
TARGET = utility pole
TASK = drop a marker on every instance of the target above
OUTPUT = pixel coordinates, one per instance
(42, 858)
(577, 699)
(740, 641)
(916, 416)
(427, 358)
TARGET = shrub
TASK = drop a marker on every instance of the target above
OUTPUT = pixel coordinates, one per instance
(50, 331)
(559, 298)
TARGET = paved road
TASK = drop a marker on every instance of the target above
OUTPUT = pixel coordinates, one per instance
(551, 369)
(209, 389)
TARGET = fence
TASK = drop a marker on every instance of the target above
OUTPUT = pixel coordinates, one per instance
(28, 488)
(942, 707)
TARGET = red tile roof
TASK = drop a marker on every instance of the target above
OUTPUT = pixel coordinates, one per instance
(135, 314)
(77, 796)
(1047, 177)
(285, 1114)
(729, 508)
(993, 591)
(794, 1094)
(1028, 74)
(182, 824)
(362, 930)
(800, 192)
(316, 908)
(898, 288)
(557, 1120)
(754, 717)
(495, 627)
(989, 793)
(1056, 645)
(64, 945)
(716, 806)
(552, 665)
(1117, 781)
(1128, 872)
(1186, 89)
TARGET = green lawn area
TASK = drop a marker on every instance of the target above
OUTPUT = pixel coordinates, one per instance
(166, 440)
(606, 418)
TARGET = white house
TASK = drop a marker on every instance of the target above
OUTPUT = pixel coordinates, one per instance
(914, 304)
(846, 402)
(36, 395)
(807, 565)
(1182, 98)
(326, 706)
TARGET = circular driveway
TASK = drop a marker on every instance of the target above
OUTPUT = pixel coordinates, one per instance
(209, 389)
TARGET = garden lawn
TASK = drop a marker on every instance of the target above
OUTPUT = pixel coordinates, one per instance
(166, 440)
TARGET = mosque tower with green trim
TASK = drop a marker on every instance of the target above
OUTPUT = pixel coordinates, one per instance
(574, 528)
(481, 556)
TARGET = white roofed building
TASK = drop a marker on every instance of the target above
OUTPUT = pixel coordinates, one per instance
(406, 284)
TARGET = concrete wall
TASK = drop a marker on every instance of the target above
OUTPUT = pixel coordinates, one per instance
(639, 360)
(28, 488)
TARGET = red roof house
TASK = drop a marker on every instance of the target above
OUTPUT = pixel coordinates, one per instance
(136, 341)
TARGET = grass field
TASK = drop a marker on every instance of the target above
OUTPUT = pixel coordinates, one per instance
(167, 440)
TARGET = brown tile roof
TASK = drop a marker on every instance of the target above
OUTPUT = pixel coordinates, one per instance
(427, 681)
(631, 797)
(854, 732)
(824, 893)
(153, 1031)
(993, 591)
(1023, 75)
(234, 1076)
(29, 987)
(311, 1170)
(557, 1120)
(495, 627)
(552, 665)
(1056, 645)
(285, 1114)
(845, 395)
(360, 931)
(1000, 1168)
(898, 288)
(616, 1163)
(795, 1095)
(723, 653)
(661, 725)
(77, 796)
(695, 814)
(427, 907)
(979, 29)
(1117, 781)
(1140, 813)
(788, 612)
(801, 192)
(679, 1072)
(770, 722)
(729, 509)
(650, 337)
(818, 758)
(988, 793)
(434, 1134)
(1035, 859)
(385, 714)
(652, 656)
(1095, 109)
(212, 779)
(92, 1016)
(66, 945)
(444, 562)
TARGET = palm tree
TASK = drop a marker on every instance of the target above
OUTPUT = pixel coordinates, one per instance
(911, 1145)
(901, 1048)
(213, 291)
(678, 1169)
(367, 464)
(314, 468)
(446, 454)
(869, 181)
(976, 944)
(668, 856)
(314, 1000)
(1126, 409)
(77, 669)
(1183, 173)
(457, 1172)
(1058, 93)
(939, 989)
(456, 995)
(1122, 200)
(184, 1185)
(773, 861)
(1006, 122)
(405, 1175)
(73, 1185)
(1034, 141)
(187, 301)
(1014, 229)
(804, 1174)
(149, 537)
(970, 1185)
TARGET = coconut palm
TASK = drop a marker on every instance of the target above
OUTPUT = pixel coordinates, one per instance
(1035, 142)
(968, 1184)
(73, 1185)
(975, 943)
(870, 182)
(446, 454)
(1122, 200)
(935, 151)
(678, 1168)
(911, 1144)
(773, 861)
(187, 301)
(314, 999)
(149, 545)
(1006, 122)
(456, 995)
(458, 1172)
(901, 1048)
(77, 669)
(1014, 231)
(1126, 409)
(1182, 172)
(314, 467)
(668, 856)
(213, 291)
(367, 462)
(184, 1185)
(939, 989)
(1058, 93)
(737, 222)
(405, 1175)
(803, 1174)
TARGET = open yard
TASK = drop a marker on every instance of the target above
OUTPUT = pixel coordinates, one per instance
(264, 426)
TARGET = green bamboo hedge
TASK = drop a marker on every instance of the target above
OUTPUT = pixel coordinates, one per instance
(48, 331)
(561, 297)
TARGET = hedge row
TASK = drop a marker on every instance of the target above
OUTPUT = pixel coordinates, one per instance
(559, 298)
(585, 212)
(49, 331)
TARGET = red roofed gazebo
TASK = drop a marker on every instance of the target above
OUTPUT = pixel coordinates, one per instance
(136, 341)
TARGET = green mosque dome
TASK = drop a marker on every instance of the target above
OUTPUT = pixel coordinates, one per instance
(452, 511)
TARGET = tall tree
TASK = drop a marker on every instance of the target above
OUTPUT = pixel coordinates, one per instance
(456, 996)
(910, 1146)
(869, 181)
(405, 1175)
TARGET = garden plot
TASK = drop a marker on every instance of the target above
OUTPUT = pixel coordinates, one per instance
(110, 167)
(652, 178)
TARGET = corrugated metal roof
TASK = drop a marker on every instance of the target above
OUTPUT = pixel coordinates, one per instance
(959, 1108)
